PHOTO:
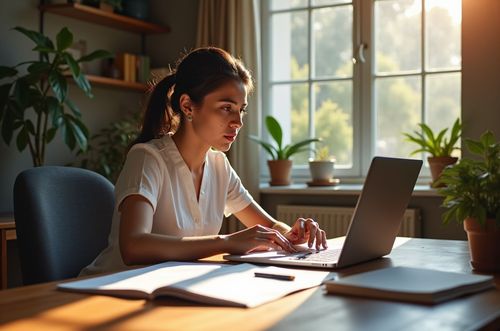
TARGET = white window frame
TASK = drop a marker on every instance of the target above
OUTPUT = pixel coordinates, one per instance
(363, 78)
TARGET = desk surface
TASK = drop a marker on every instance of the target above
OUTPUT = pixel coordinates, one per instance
(41, 307)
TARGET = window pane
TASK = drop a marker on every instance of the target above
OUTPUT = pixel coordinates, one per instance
(287, 4)
(332, 42)
(290, 106)
(442, 100)
(329, 2)
(289, 46)
(397, 110)
(443, 25)
(397, 35)
(333, 119)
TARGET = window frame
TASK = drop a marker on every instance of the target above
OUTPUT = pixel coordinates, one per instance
(363, 84)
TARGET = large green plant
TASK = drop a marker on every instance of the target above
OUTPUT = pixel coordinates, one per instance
(108, 148)
(473, 185)
(435, 144)
(44, 89)
(277, 151)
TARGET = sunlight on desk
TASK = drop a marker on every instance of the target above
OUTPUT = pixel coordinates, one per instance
(97, 312)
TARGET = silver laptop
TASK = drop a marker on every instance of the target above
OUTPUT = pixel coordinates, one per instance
(374, 224)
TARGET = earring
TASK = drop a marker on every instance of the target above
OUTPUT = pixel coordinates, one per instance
(189, 117)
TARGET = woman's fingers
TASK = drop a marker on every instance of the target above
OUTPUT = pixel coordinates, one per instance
(275, 237)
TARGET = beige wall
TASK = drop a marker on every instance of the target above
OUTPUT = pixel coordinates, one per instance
(481, 67)
(108, 104)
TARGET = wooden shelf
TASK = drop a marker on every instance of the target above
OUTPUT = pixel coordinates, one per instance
(98, 16)
(112, 82)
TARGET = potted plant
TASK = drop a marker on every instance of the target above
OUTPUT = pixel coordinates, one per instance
(280, 165)
(108, 148)
(472, 196)
(321, 168)
(438, 146)
(44, 89)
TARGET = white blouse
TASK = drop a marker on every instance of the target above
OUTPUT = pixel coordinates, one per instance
(157, 171)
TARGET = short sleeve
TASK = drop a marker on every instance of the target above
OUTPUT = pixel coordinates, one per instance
(142, 174)
(238, 196)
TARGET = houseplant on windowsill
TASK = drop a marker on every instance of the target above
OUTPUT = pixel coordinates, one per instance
(44, 89)
(472, 196)
(321, 168)
(438, 146)
(280, 165)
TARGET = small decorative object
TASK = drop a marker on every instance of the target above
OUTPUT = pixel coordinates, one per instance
(280, 166)
(44, 89)
(136, 8)
(321, 168)
(438, 146)
(472, 196)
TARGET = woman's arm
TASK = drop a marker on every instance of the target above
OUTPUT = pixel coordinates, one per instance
(139, 246)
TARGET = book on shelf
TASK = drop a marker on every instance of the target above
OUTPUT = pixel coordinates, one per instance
(208, 283)
(410, 284)
(132, 67)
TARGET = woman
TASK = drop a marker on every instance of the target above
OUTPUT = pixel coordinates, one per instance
(176, 183)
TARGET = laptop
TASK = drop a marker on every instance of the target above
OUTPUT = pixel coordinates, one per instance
(374, 224)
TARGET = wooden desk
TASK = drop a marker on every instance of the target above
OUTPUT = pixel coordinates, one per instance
(41, 307)
(7, 232)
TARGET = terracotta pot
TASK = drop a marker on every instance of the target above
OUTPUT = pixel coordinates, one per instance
(437, 164)
(484, 244)
(321, 171)
(280, 171)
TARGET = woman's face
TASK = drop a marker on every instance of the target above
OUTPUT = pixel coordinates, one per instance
(219, 118)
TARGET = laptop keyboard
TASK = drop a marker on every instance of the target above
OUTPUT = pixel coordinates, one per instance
(326, 255)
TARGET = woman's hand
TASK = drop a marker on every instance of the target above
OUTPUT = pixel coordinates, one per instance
(307, 230)
(257, 238)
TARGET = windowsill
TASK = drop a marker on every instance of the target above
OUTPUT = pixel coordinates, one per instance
(341, 189)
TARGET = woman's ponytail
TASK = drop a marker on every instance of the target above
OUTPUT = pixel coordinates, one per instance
(159, 118)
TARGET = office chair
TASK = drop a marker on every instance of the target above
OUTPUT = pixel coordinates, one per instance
(63, 218)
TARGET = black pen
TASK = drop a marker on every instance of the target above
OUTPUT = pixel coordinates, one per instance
(274, 276)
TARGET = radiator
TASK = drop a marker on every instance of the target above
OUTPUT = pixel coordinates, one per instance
(335, 220)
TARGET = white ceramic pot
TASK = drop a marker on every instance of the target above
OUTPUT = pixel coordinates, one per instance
(321, 171)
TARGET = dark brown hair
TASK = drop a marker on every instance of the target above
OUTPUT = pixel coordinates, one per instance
(197, 74)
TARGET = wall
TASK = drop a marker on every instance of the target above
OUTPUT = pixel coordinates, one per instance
(481, 67)
(108, 104)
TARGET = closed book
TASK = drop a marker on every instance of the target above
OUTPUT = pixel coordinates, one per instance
(208, 283)
(410, 284)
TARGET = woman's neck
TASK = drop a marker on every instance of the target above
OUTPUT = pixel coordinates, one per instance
(191, 149)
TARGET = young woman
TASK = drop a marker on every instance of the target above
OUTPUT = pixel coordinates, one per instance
(176, 184)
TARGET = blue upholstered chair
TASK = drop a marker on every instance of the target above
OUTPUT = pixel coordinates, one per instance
(63, 218)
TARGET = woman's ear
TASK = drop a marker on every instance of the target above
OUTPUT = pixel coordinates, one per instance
(186, 104)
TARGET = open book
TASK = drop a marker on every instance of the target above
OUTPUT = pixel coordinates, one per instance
(410, 284)
(210, 283)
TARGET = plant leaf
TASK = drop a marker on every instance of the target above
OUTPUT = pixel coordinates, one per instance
(51, 133)
(98, 54)
(59, 85)
(39, 68)
(84, 84)
(22, 139)
(73, 107)
(73, 65)
(37, 37)
(64, 39)
(292, 149)
(274, 129)
(270, 149)
(7, 72)
(4, 97)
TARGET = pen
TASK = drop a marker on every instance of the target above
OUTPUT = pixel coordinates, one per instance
(274, 276)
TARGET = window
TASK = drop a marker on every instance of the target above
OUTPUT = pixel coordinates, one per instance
(360, 73)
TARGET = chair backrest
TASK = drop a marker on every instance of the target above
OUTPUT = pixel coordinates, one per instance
(63, 218)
